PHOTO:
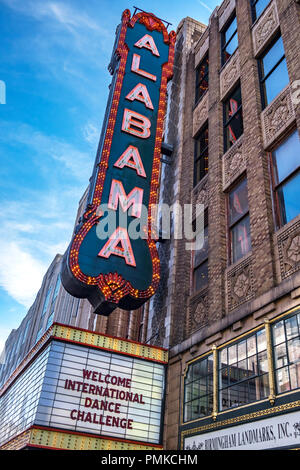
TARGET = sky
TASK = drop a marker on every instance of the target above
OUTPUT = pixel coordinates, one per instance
(54, 58)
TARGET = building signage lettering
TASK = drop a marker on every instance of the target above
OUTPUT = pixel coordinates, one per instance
(276, 432)
(103, 404)
(111, 267)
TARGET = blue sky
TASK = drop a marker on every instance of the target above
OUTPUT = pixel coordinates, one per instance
(54, 57)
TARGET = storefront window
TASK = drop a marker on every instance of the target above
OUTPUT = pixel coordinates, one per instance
(286, 341)
(198, 395)
(233, 118)
(201, 78)
(273, 72)
(239, 222)
(243, 372)
(229, 40)
(286, 179)
(201, 155)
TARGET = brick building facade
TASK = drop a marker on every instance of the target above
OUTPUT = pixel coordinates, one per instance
(229, 312)
(233, 114)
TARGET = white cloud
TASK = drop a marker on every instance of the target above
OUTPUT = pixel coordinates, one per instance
(20, 273)
(91, 134)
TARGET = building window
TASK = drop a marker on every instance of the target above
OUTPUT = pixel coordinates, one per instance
(233, 118)
(286, 179)
(198, 389)
(258, 7)
(273, 72)
(239, 221)
(201, 155)
(243, 372)
(200, 261)
(229, 40)
(201, 78)
(286, 343)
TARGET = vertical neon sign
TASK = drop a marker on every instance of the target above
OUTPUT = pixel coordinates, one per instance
(117, 270)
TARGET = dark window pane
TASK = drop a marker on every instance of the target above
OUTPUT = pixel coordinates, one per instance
(232, 104)
(289, 201)
(201, 167)
(274, 54)
(201, 155)
(201, 254)
(202, 78)
(233, 118)
(234, 130)
(252, 365)
(238, 202)
(224, 399)
(223, 378)
(201, 276)
(240, 239)
(286, 158)
(278, 79)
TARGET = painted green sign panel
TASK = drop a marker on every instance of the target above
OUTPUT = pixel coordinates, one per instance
(112, 259)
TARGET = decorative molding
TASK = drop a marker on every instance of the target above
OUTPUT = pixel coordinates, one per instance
(230, 74)
(200, 114)
(200, 194)
(47, 438)
(277, 117)
(265, 28)
(240, 283)
(226, 10)
(288, 243)
(198, 310)
(234, 163)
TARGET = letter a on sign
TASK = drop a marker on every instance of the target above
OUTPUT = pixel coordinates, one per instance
(112, 259)
(147, 42)
(131, 158)
(119, 244)
(140, 93)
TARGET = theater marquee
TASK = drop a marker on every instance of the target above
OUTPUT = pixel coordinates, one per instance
(96, 389)
(119, 269)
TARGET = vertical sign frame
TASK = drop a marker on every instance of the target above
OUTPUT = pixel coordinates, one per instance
(113, 275)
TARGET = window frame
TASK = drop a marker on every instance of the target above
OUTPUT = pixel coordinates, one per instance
(277, 210)
(262, 79)
(285, 342)
(225, 44)
(256, 375)
(206, 357)
(199, 95)
(230, 226)
(201, 155)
